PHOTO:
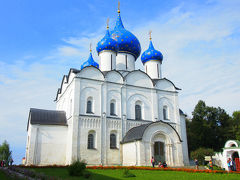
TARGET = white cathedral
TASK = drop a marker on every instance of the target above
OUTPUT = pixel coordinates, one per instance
(111, 114)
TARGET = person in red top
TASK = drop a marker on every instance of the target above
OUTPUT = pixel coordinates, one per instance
(153, 161)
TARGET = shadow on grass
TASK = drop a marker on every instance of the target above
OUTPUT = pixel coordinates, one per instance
(63, 174)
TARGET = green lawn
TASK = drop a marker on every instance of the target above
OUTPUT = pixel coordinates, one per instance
(109, 174)
(3, 176)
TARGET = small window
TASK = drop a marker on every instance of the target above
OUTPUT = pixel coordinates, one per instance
(138, 112)
(90, 141)
(89, 105)
(113, 144)
(165, 113)
(112, 109)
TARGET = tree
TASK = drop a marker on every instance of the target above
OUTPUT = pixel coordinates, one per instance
(210, 127)
(236, 125)
(5, 153)
(200, 154)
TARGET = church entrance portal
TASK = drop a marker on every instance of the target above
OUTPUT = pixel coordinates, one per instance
(159, 151)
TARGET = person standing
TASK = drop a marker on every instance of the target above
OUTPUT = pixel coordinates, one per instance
(196, 163)
(153, 161)
(228, 163)
(11, 162)
(210, 165)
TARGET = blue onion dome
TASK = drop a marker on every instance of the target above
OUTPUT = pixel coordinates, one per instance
(107, 43)
(90, 62)
(151, 54)
(127, 42)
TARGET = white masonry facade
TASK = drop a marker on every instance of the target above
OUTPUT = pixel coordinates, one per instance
(110, 115)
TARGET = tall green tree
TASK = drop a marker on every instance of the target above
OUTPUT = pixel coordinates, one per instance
(236, 125)
(5, 153)
(209, 127)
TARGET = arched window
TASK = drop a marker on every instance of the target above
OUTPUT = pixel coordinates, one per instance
(113, 143)
(89, 105)
(90, 141)
(138, 112)
(112, 108)
(165, 112)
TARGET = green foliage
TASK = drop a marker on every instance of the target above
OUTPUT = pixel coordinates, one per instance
(77, 168)
(5, 153)
(236, 125)
(200, 154)
(127, 173)
(210, 127)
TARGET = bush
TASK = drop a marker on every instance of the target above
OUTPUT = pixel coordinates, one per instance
(127, 173)
(77, 168)
(200, 154)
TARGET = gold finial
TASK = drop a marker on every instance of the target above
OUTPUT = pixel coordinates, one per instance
(150, 35)
(107, 23)
(90, 47)
(118, 7)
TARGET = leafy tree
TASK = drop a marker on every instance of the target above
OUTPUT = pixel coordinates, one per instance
(236, 125)
(209, 128)
(200, 154)
(5, 153)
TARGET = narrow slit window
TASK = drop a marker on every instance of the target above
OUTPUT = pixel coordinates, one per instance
(158, 70)
(113, 142)
(138, 112)
(126, 61)
(111, 62)
(89, 106)
(90, 141)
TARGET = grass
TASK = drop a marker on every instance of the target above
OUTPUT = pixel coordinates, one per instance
(3, 176)
(109, 174)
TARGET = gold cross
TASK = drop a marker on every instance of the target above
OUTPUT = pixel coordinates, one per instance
(90, 47)
(118, 7)
(107, 23)
(150, 34)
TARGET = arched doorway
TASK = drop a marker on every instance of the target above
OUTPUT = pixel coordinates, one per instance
(235, 155)
(235, 158)
(159, 151)
(159, 147)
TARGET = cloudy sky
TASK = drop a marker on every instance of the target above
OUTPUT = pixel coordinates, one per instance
(41, 40)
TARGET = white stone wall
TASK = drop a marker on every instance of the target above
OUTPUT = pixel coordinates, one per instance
(184, 138)
(125, 61)
(153, 69)
(106, 63)
(129, 154)
(48, 145)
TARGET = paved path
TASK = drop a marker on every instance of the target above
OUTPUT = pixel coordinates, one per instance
(19, 175)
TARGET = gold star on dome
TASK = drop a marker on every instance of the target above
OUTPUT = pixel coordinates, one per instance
(109, 43)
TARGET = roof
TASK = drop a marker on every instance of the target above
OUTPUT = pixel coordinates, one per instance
(136, 133)
(47, 117)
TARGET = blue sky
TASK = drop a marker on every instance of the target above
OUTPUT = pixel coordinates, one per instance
(41, 40)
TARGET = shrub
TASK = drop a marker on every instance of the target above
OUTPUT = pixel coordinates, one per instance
(200, 154)
(127, 173)
(87, 175)
(77, 168)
